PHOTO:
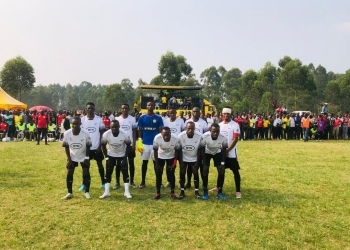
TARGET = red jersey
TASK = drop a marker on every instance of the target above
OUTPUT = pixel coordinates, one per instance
(42, 121)
(106, 122)
(260, 122)
(59, 119)
(337, 122)
(3, 126)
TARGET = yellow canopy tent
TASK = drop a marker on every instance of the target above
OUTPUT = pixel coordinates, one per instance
(8, 102)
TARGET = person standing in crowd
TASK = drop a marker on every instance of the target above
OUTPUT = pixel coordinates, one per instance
(117, 155)
(77, 145)
(213, 146)
(200, 127)
(336, 126)
(8, 117)
(149, 125)
(106, 120)
(320, 128)
(231, 130)
(291, 132)
(94, 126)
(266, 126)
(345, 127)
(42, 121)
(305, 121)
(190, 157)
(324, 109)
(298, 128)
(166, 147)
(128, 126)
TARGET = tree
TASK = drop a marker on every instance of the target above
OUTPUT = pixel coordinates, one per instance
(211, 82)
(17, 76)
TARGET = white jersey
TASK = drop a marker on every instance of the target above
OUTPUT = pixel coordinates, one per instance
(231, 131)
(176, 126)
(189, 146)
(94, 127)
(77, 144)
(166, 150)
(116, 145)
(210, 121)
(213, 146)
(200, 126)
(127, 125)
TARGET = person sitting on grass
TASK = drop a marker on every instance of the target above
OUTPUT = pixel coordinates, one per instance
(77, 145)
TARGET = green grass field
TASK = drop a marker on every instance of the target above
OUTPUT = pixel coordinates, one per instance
(296, 195)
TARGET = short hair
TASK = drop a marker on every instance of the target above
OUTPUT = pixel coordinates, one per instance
(215, 125)
(166, 129)
(76, 118)
(125, 104)
(190, 122)
(90, 103)
(115, 121)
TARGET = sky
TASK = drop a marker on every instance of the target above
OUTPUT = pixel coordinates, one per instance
(103, 42)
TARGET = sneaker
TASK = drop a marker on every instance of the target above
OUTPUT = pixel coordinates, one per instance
(182, 195)
(167, 185)
(116, 186)
(197, 195)
(221, 196)
(142, 186)
(87, 195)
(104, 196)
(205, 196)
(238, 195)
(133, 185)
(67, 196)
(103, 186)
(215, 189)
(82, 188)
(157, 197)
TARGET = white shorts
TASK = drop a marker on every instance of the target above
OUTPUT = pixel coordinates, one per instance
(147, 152)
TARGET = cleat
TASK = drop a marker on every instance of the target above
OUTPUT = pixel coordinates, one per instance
(174, 197)
(238, 195)
(133, 185)
(214, 189)
(116, 186)
(105, 195)
(87, 195)
(142, 186)
(205, 196)
(67, 196)
(127, 195)
(157, 197)
(82, 188)
(182, 195)
(221, 196)
(197, 195)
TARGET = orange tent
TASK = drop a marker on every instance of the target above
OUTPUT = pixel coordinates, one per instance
(8, 102)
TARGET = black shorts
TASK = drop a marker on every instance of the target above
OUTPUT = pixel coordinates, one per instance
(114, 160)
(167, 162)
(96, 155)
(42, 130)
(232, 163)
(217, 159)
(132, 154)
(75, 164)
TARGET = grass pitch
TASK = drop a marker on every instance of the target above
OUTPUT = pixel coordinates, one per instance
(296, 195)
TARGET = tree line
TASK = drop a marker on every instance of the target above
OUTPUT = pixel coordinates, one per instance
(295, 86)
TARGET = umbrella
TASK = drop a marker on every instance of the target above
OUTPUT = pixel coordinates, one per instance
(40, 107)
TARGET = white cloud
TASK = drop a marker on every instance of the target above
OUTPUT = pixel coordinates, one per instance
(344, 27)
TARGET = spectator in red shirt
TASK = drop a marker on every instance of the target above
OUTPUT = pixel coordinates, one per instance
(42, 121)
(336, 125)
(3, 127)
(106, 121)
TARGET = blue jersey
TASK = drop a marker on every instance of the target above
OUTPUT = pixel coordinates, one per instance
(150, 127)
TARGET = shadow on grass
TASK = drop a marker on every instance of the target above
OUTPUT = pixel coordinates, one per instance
(272, 198)
(16, 180)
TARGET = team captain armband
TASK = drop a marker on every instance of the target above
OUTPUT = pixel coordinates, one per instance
(235, 135)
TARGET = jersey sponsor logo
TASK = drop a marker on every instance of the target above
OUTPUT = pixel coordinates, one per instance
(173, 130)
(125, 127)
(189, 148)
(213, 148)
(76, 145)
(167, 150)
(154, 121)
(115, 146)
(91, 130)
